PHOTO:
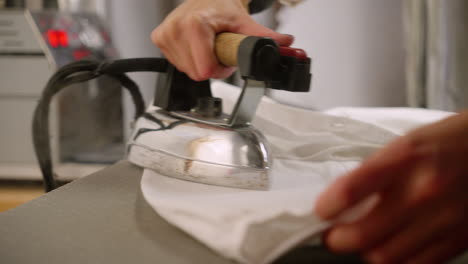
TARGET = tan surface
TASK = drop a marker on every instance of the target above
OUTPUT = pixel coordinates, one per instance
(13, 194)
(103, 218)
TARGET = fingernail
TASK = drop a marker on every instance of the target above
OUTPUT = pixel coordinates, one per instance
(341, 240)
(374, 258)
(223, 72)
(290, 39)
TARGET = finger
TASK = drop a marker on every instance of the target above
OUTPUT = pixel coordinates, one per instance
(249, 26)
(180, 58)
(174, 60)
(170, 45)
(201, 39)
(444, 249)
(224, 72)
(373, 228)
(425, 227)
(375, 174)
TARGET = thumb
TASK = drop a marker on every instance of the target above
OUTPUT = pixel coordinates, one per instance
(374, 175)
(250, 27)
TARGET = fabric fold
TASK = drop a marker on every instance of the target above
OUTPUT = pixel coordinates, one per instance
(310, 150)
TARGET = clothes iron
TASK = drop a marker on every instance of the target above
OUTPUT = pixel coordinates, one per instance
(185, 133)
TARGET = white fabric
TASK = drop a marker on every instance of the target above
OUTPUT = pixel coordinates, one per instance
(395, 119)
(310, 148)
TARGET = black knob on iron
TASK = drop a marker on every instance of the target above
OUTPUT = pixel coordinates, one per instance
(209, 106)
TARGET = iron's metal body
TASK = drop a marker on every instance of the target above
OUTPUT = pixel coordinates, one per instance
(185, 135)
(220, 150)
(199, 152)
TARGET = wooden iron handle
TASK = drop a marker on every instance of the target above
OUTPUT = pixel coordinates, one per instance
(226, 47)
(227, 44)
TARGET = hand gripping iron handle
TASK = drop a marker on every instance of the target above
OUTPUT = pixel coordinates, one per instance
(258, 59)
(261, 59)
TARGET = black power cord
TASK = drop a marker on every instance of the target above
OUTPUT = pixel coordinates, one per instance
(78, 72)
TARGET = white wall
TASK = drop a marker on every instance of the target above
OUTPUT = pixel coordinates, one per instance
(357, 49)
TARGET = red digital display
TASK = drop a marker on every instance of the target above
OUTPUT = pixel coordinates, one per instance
(57, 38)
(52, 38)
(63, 38)
(81, 53)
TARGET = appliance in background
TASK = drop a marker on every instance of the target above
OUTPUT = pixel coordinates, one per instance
(437, 58)
(86, 120)
(132, 23)
(29, 4)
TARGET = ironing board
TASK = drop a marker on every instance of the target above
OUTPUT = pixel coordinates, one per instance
(103, 218)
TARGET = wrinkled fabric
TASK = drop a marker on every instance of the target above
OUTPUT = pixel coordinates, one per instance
(310, 150)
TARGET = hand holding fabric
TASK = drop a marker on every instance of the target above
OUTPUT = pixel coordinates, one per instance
(421, 184)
